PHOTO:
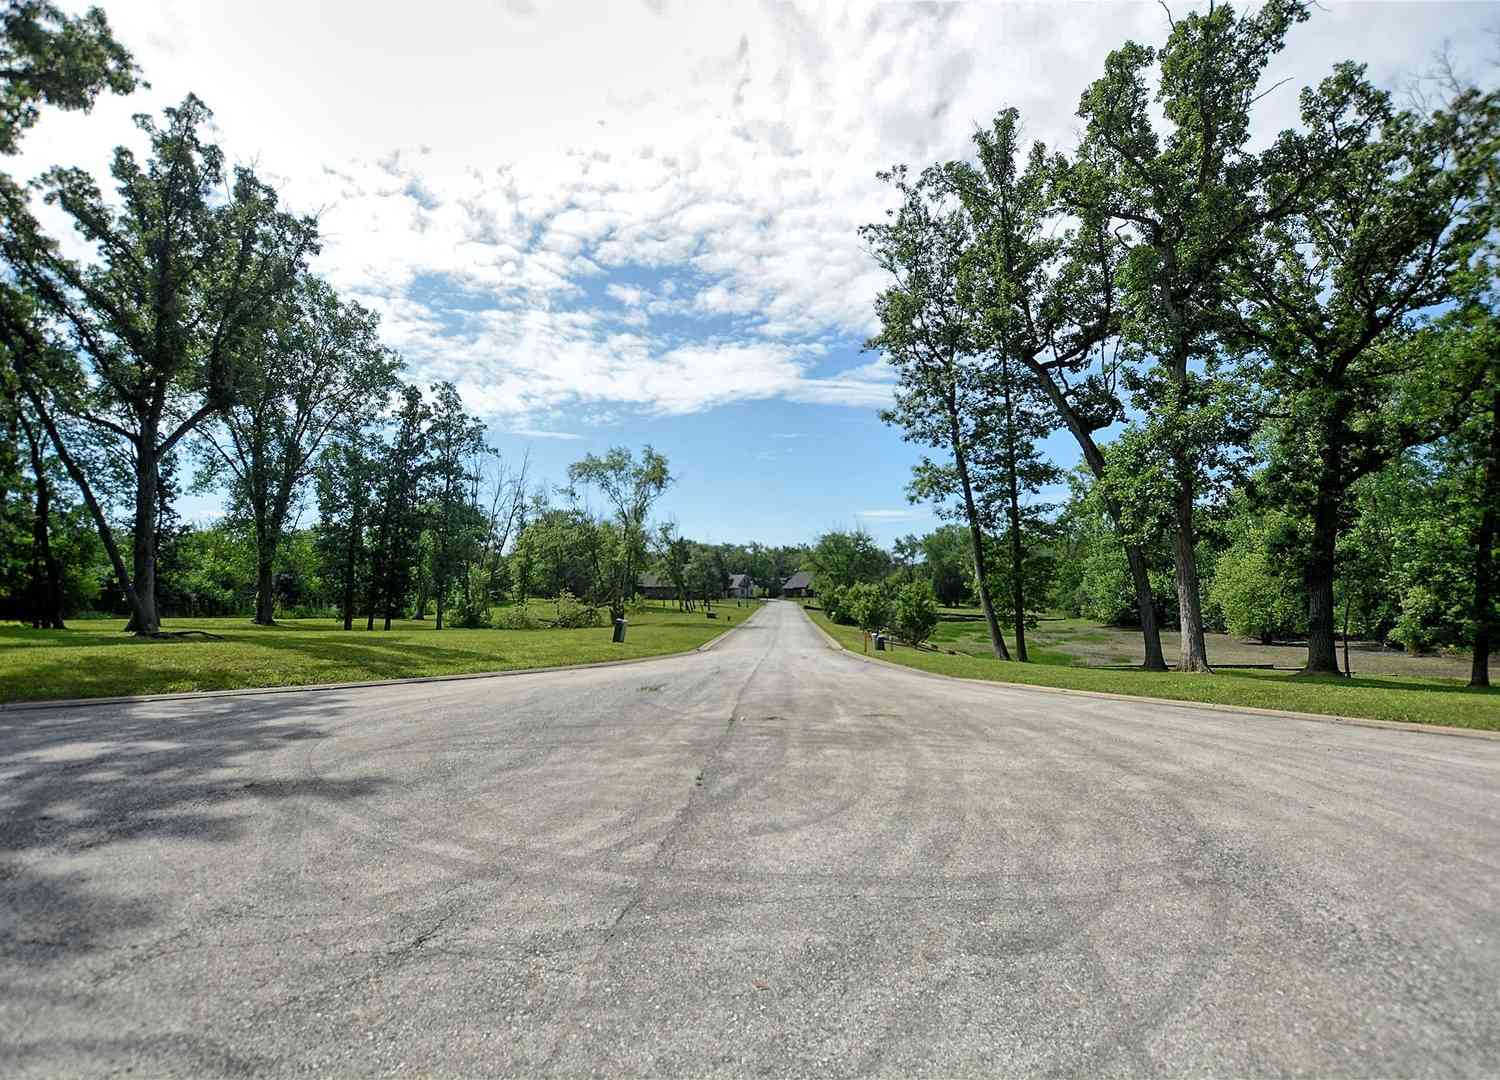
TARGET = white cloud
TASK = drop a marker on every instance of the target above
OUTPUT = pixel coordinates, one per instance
(540, 433)
(483, 174)
(888, 515)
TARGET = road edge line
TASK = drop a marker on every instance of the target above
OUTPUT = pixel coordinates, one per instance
(1210, 706)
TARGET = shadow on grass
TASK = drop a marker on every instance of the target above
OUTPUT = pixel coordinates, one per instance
(129, 671)
(1369, 682)
(80, 783)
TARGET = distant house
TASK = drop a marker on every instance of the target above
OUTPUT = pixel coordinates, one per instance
(741, 587)
(655, 587)
(799, 584)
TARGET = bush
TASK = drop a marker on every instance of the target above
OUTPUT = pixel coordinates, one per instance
(833, 603)
(869, 606)
(1258, 597)
(1419, 627)
(474, 613)
(573, 615)
(915, 614)
(516, 617)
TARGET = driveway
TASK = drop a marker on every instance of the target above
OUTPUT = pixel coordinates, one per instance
(770, 857)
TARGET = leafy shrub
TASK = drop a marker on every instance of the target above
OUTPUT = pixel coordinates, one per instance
(1419, 626)
(915, 614)
(869, 606)
(574, 615)
(516, 617)
(1258, 597)
(474, 613)
(835, 605)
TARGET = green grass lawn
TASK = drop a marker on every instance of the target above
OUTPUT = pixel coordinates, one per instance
(93, 658)
(1414, 699)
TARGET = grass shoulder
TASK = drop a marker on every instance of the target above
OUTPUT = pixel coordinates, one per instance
(1412, 699)
(94, 658)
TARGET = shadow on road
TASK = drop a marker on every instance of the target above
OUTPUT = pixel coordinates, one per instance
(73, 782)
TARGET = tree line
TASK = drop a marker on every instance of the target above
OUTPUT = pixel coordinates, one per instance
(1247, 343)
(192, 349)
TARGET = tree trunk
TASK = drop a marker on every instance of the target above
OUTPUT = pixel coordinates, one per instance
(1145, 602)
(1139, 573)
(1189, 600)
(351, 554)
(1484, 557)
(440, 587)
(1322, 640)
(976, 537)
(1018, 588)
(423, 585)
(1013, 507)
(47, 592)
(265, 588)
(147, 621)
(96, 511)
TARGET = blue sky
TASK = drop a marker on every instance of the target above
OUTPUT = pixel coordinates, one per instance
(636, 222)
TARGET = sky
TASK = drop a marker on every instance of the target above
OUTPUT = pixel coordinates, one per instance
(635, 221)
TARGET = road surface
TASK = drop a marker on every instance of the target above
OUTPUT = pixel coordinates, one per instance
(766, 858)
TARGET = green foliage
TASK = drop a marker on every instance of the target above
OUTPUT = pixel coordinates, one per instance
(573, 614)
(868, 604)
(185, 274)
(948, 564)
(50, 58)
(1256, 594)
(1433, 582)
(473, 609)
(400, 484)
(631, 487)
(833, 601)
(840, 559)
(454, 519)
(913, 614)
(314, 364)
(516, 617)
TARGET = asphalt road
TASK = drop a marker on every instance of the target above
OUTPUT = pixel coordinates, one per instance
(767, 858)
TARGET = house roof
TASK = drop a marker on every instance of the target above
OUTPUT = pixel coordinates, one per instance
(652, 581)
(738, 581)
(800, 580)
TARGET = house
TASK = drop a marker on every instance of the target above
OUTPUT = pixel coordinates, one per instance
(799, 584)
(740, 587)
(655, 587)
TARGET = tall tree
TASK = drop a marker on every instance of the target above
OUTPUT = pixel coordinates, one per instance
(1333, 295)
(401, 479)
(631, 488)
(1046, 297)
(929, 338)
(1484, 430)
(47, 58)
(1184, 199)
(317, 361)
(46, 607)
(1015, 471)
(456, 442)
(344, 476)
(161, 322)
(674, 554)
(840, 559)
